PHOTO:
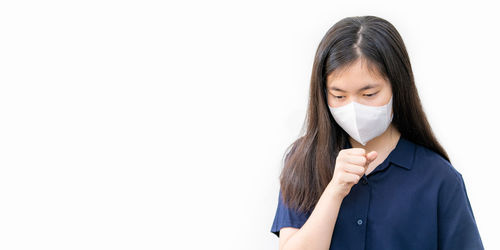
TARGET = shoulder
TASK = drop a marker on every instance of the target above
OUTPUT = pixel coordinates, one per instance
(439, 177)
(436, 167)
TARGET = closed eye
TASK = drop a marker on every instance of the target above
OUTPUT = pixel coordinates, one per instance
(370, 94)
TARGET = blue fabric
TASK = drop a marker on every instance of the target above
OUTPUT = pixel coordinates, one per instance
(415, 199)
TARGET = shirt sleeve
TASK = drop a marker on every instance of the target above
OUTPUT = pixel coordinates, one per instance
(287, 217)
(457, 227)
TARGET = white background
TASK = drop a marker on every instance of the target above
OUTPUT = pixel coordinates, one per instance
(162, 125)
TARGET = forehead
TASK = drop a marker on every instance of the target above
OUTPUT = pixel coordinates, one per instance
(358, 73)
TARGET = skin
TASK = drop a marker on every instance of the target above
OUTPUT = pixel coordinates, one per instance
(351, 164)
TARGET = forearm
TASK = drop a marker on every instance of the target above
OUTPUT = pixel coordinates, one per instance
(316, 233)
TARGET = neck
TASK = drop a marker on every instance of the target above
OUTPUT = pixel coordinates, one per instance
(384, 142)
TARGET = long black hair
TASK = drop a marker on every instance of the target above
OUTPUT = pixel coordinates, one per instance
(310, 160)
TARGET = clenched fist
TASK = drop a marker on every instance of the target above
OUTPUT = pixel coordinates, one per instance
(350, 166)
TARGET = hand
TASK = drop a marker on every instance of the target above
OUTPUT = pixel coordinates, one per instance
(350, 166)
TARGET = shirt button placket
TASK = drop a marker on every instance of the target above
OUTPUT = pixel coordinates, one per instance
(361, 219)
(364, 181)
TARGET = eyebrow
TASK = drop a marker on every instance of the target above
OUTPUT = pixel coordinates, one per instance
(369, 86)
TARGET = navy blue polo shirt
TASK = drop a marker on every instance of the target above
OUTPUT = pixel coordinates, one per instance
(415, 199)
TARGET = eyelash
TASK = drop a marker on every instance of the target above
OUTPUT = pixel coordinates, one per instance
(368, 95)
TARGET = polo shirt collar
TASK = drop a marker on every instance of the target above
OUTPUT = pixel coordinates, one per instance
(402, 155)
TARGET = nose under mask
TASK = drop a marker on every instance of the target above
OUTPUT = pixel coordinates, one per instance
(363, 122)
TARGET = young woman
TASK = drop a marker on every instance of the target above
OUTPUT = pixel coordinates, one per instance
(369, 173)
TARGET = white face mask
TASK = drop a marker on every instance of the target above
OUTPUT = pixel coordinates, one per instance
(363, 122)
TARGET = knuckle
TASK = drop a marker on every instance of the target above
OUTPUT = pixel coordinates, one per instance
(363, 160)
(361, 170)
(357, 178)
(361, 150)
(352, 176)
(356, 170)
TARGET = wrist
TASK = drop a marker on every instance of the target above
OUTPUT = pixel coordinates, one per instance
(334, 191)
